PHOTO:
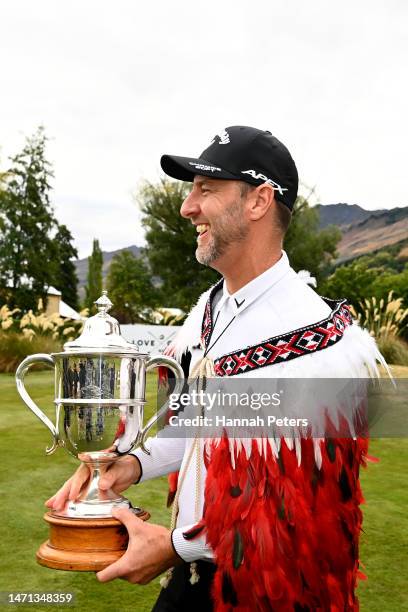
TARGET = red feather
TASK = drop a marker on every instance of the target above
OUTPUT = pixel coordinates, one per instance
(298, 527)
(172, 479)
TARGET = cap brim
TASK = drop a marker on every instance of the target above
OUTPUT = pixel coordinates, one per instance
(186, 168)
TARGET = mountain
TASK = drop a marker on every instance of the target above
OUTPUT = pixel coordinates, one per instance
(363, 231)
(343, 215)
(380, 229)
(82, 266)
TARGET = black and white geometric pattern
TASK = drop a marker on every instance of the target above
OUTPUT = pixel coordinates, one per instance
(285, 347)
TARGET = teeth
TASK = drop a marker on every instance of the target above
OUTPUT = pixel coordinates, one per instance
(201, 228)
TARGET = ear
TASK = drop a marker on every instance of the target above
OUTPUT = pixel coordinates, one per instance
(260, 201)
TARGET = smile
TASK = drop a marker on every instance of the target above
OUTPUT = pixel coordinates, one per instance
(202, 229)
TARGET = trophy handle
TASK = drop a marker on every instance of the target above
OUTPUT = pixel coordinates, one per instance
(20, 375)
(171, 364)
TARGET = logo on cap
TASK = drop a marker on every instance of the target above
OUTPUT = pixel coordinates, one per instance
(262, 177)
(198, 166)
(223, 138)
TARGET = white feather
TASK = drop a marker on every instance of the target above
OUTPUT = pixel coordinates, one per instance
(274, 446)
(298, 450)
(318, 452)
(354, 356)
(231, 443)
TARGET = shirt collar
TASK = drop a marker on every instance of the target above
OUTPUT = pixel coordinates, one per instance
(241, 299)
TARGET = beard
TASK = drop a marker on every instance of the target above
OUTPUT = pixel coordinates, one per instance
(228, 229)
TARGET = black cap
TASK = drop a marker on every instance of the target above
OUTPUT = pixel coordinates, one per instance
(241, 153)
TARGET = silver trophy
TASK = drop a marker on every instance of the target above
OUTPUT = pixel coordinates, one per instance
(100, 385)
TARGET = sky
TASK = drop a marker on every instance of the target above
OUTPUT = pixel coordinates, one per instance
(117, 84)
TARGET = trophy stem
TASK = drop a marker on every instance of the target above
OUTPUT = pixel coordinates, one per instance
(93, 502)
(98, 463)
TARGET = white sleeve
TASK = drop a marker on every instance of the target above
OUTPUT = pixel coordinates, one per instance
(191, 550)
(166, 455)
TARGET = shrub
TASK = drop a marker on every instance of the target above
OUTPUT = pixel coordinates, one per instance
(14, 347)
(386, 320)
(383, 318)
(394, 350)
(28, 333)
(163, 316)
(41, 324)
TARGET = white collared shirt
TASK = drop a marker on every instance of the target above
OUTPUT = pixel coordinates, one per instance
(275, 302)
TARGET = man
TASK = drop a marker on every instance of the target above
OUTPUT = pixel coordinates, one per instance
(275, 525)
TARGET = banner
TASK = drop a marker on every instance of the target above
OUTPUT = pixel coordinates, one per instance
(151, 339)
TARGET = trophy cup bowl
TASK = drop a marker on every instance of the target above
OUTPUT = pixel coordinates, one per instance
(100, 389)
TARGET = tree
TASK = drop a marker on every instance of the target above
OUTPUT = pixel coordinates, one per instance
(309, 248)
(357, 282)
(398, 283)
(93, 289)
(354, 281)
(171, 244)
(26, 224)
(4, 291)
(65, 277)
(130, 288)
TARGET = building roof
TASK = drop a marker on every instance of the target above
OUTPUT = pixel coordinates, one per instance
(64, 310)
(53, 291)
(67, 312)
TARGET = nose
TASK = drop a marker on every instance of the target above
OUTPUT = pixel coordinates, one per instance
(191, 206)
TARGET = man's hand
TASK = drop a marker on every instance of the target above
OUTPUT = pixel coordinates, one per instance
(119, 476)
(150, 551)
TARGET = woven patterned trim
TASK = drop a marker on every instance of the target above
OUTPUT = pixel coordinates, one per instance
(302, 341)
(207, 324)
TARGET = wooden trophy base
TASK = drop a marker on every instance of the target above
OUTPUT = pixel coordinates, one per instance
(83, 545)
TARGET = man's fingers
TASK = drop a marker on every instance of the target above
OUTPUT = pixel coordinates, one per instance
(109, 478)
(49, 503)
(57, 501)
(121, 568)
(117, 570)
(69, 490)
(78, 481)
(125, 516)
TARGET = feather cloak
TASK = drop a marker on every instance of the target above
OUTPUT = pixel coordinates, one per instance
(283, 516)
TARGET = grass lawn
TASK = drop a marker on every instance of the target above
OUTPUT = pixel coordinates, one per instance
(29, 477)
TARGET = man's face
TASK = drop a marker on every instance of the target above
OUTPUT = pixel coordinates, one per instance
(216, 208)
